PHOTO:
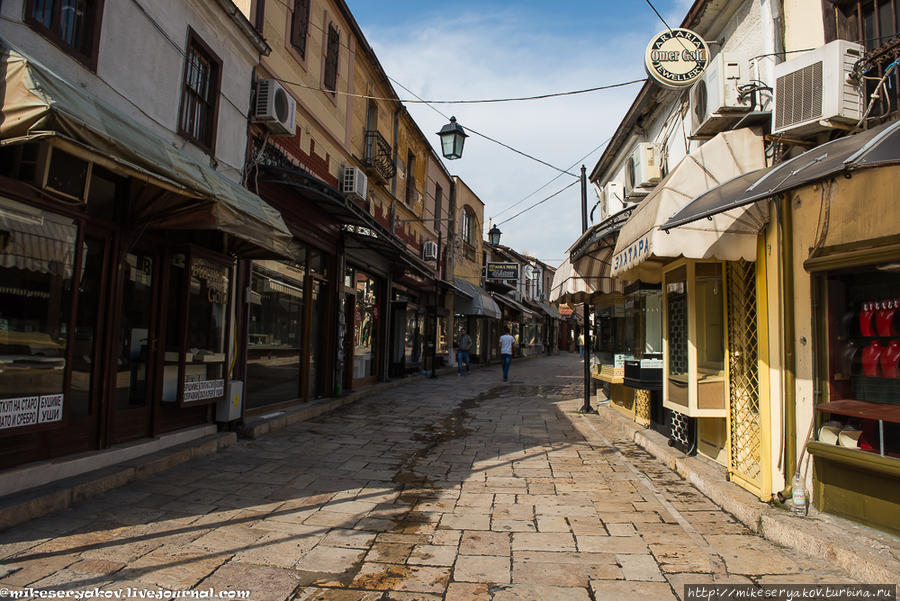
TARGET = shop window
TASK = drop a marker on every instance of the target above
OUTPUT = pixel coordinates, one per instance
(72, 25)
(333, 47)
(275, 333)
(695, 339)
(196, 336)
(365, 330)
(200, 94)
(861, 341)
(37, 258)
(300, 26)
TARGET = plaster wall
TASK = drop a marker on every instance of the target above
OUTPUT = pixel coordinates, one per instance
(140, 67)
(463, 268)
(803, 24)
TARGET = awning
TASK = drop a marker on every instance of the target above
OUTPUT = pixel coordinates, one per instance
(730, 237)
(192, 195)
(590, 255)
(513, 304)
(456, 289)
(873, 148)
(478, 303)
(548, 311)
(571, 287)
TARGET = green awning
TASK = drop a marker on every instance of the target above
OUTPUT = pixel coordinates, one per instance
(39, 103)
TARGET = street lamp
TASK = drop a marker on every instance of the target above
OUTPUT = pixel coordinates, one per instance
(494, 236)
(453, 136)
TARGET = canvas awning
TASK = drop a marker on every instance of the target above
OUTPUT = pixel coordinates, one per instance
(548, 311)
(513, 304)
(37, 103)
(570, 287)
(477, 302)
(873, 148)
(643, 242)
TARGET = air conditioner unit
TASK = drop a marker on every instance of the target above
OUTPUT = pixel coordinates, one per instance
(815, 89)
(715, 99)
(643, 170)
(355, 183)
(429, 250)
(274, 107)
(612, 193)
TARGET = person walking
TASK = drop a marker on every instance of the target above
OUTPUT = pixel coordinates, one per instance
(581, 345)
(463, 344)
(507, 345)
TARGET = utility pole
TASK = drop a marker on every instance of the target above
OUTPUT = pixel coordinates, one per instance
(586, 407)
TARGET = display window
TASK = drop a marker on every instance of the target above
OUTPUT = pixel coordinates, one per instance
(275, 332)
(413, 340)
(365, 330)
(862, 349)
(37, 270)
(694, 343)
(198, 321)
(643, 336)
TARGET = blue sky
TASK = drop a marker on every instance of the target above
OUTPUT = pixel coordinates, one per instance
(495, 49)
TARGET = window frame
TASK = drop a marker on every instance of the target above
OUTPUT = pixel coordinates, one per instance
(195, 41)
(468, 226)
(88, 60)
(331, 59)
(297, 40)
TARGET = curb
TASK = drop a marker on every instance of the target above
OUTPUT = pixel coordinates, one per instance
(21, 507)
(868, 555)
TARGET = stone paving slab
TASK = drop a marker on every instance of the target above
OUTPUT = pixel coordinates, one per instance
(474, 491)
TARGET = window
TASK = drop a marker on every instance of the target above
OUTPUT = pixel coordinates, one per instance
(438, 201)
(200, 94)
(300, 26)
(73, 25)
(410, 178)
(468, 226)
(873, 24)
(331, 59)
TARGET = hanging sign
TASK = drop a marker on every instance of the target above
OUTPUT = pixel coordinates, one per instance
(502, 271)
(676, 58)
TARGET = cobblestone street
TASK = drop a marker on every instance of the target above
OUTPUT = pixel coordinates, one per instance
(459, 488)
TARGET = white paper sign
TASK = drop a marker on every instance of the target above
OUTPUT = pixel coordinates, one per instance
(30, 410)
(201, 390)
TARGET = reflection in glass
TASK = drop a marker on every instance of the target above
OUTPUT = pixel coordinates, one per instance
(86, 329)
(319, 300)
(37, 251)
(676, 291)
(365, 326)
(710, 320)
(134, 328)
(275, 333)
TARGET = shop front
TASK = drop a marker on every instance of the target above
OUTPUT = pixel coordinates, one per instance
(707, 282)
(477, 312)
(522, 323)
(117, 270)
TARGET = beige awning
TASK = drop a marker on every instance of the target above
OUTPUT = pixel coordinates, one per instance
(571, 287)
(38, 103)
(643, 247)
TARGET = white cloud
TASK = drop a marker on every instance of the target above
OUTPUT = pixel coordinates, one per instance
(495, 55)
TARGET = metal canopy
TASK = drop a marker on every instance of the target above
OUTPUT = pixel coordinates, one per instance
(873, 148)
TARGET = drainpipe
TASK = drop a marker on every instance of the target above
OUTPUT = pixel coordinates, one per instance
(789, 360)
(394, 150)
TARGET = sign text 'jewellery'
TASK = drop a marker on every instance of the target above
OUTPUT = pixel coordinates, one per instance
(676, 58)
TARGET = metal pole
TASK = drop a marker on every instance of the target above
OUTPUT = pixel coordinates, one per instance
(434, 340)
(586, 408)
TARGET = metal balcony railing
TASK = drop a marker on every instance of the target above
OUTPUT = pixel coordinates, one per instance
(378, 160)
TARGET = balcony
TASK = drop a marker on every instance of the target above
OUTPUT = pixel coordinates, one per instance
(377, 159)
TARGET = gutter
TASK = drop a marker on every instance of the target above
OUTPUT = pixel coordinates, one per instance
(789, 358)
(245, 26)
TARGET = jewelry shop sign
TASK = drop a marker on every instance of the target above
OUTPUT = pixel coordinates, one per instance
(502, 271)
(31, 411)
(676, 58)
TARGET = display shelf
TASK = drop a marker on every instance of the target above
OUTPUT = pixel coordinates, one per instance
(862, 410)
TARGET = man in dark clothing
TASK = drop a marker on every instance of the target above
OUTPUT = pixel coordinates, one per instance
(463, 344)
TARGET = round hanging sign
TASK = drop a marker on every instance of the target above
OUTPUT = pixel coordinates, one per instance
(676, 58)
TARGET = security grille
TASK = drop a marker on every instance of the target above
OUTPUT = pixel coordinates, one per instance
(743, 365)
(642, 407)
(682, 432)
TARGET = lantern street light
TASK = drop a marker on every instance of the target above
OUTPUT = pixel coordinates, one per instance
(453, 136)
(494, 236)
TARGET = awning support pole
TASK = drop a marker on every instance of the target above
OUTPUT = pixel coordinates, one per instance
(586, 407)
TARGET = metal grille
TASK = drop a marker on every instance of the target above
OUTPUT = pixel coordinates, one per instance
(681, 432)
(743, 364)
(799, 96)
(642, 406)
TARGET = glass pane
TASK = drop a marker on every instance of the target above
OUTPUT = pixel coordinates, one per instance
(676, 289)
(365, 327)
(319, 299)
(276, 332)
(206, 330)
(134, 331)
(710, 320)
(37, 251)
(88, 316)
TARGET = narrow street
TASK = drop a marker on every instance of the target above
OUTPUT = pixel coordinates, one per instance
(459, 488)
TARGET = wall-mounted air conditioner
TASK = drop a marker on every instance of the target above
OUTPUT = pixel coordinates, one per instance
(715, 99)
(354, 183)
(274, 107)
(643, 170)
(429, 250)
(814, 91)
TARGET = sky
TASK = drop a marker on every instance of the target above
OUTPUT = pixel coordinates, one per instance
(487, 49)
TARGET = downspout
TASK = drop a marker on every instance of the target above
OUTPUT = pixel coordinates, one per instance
(789, 360)
(778, 27)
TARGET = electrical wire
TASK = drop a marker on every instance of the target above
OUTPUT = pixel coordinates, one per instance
(540, 202)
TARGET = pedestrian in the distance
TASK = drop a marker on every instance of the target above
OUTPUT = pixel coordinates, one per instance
(581, 345)
(463, 344)
(507, 346)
